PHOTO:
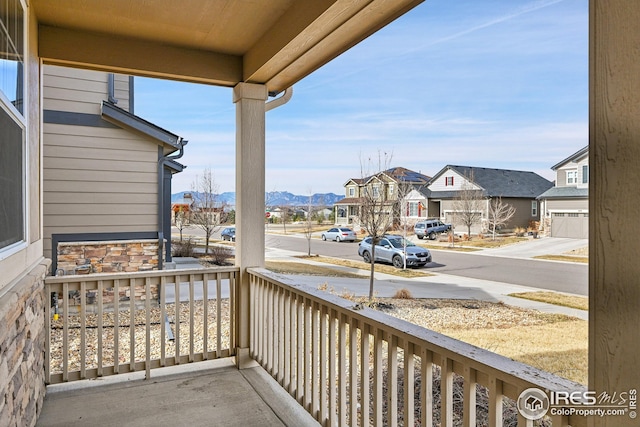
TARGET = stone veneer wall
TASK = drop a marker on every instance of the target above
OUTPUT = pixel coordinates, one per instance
(22, 342)
(107, 256)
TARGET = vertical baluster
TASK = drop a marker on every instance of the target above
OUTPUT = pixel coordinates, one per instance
(353, 372)
(48, 324)
(469, 409)
(409, 381)
(83, 329)
(300, 349)
(100, 327)
(253, 318)
(176, 338)
(495, 402)
(392, 380)
(147, 321)
(333, 317)
(205, 315)
(65, 332)
(191, 316)
(315, 360)
(163, 322)
(307, 355)
(281, 335)
(270, 327)
(116, 326)
(446, 392)
(132, 325)
(323, 363)
(377, 379)
(426, 387)
(364, 375)
(234, 281)
(287, 349)
(342, 368)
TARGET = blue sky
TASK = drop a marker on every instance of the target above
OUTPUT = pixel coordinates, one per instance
(500, 84)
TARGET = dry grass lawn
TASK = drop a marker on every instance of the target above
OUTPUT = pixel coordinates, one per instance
(566, 258)
(380, 268)
(572, 301)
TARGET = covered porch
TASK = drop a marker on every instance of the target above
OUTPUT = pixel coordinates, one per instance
(335, 359)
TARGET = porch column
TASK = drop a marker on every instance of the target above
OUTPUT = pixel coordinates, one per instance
(614, 201)
(250, 171)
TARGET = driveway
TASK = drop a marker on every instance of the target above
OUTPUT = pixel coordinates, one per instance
(537, 247)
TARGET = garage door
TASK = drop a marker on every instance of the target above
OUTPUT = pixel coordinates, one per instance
(573, 225)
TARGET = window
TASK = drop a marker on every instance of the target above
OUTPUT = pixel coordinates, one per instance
(12, 124)
(376, 191)
(352, 191)
(534, 208)
(390, 189)
(572, 177)
(413, 209)
(585, 174)
(448, 180)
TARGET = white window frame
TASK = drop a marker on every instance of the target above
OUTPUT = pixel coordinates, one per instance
(352, 192)
(534, 208)
(572, 176)
(7, 107)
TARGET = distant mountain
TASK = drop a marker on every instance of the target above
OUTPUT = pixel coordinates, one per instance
(274, 198)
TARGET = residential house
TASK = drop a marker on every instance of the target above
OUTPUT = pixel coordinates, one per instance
(565, 207)
(267, 52)
(393, 185)
(517, 188)
(106, 172)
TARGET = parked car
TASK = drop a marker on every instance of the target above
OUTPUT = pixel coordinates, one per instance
(339, 234)
(229, 234)
(390, 248)
(430, 228)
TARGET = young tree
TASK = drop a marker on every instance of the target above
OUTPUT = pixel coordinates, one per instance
(308, 224)
(499, 214)
(376, 210)
(207, 212)
(469, 204)
(181, 219)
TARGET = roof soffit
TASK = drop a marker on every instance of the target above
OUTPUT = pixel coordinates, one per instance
(220, 42)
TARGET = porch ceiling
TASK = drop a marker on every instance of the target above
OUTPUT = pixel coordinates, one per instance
(221, 42)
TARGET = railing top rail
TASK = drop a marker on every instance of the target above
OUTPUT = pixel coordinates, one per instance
(485, 361)
(137, 274)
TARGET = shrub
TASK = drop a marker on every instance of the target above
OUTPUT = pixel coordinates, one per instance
(220, 254)
(184, 248)
(403, 294)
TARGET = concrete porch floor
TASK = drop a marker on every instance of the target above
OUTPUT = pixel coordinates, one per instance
(212, 393)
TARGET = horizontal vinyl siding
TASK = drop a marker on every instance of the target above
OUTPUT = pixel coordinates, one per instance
(122, 91)
(523, 213)
(568, 205)
(75, 90)
(98, 180)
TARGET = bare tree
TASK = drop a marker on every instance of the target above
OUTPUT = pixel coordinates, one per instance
(308, 224)
(376, 210)
(207, 213)
(499, 214)
(469, 204)
(181, 219)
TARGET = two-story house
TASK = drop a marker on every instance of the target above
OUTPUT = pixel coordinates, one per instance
(516, 188)
(565, 207)
(391, 185)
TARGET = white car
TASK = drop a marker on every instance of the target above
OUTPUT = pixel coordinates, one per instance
(339, 234)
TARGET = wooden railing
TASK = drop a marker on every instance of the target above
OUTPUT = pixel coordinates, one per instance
(347, 364)
(105, 324)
